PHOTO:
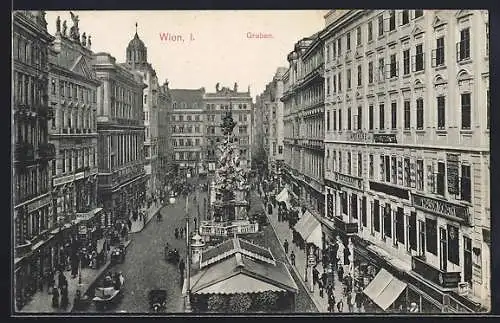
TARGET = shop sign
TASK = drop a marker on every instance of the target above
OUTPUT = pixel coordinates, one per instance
(390, 190)
(359, 136)
(79, 175)
(441, 207)
(39, 203)
(452, 172)
(63, 180)
(347, 180)
(385, 138)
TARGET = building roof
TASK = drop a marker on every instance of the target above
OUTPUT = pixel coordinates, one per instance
(188, 96)
(239, 273)
(136, 43)
(232, 246)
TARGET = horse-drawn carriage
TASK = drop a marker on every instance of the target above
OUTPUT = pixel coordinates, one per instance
(158, 300)
(171, 255)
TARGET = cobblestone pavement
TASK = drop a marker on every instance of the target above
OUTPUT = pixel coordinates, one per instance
(145, 267)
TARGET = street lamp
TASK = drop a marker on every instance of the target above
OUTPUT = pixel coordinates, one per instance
(188, 260)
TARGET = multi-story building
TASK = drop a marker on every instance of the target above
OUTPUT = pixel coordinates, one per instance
(73, 131)
(303, 122)
(407, 149)
(137, 60)
(275, 117)
(217, 104)
(120, 127)
(187, 130)
(32, 202)
(164, 137)
(260, 140)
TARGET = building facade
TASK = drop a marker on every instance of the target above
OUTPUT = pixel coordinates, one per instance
(407, 148)
(32, 202)
(275, 116)
(120, 127)
(303, 120)
(217, 104)
(165, 152)
(187, 131)
(73, 131)
(260, 131)
(137, 60)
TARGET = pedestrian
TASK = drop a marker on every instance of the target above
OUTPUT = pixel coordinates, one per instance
(340, 272)
(321, 288)
(340, 306)
(62, 281)
(413, 308)
(324, 278)
(176, 233)
(331, 302)
(129, 225)
(52, 281)
(292, 258)
(55, 297)
(64, 297)
(349, 302)
(315, 275)
(285, 245)
(358, 299)
(348, 282)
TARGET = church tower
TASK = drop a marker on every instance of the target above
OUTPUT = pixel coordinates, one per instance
(137, 53)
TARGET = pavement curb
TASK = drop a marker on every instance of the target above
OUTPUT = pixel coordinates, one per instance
(318, 306)
(149, 218)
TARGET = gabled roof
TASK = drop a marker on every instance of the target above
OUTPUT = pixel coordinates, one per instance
(239, 273)
(232, 246)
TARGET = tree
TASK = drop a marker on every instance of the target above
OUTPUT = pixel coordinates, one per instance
(239, 303)
(265, 300)
(216, 303)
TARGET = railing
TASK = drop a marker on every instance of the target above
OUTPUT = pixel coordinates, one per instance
(346, 227)
(46, 151)
(433, 274)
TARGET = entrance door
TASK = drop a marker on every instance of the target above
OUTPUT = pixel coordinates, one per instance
(443, 249)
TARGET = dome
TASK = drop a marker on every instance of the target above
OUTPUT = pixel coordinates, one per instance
(136, 43)
(137, 52)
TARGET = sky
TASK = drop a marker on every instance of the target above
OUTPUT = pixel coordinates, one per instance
(215, 45)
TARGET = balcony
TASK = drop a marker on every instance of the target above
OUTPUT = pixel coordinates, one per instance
(345, 227)
(46, 151)
(24, 152)
(433, 274)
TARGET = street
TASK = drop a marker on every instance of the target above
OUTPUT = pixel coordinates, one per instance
(145, 267)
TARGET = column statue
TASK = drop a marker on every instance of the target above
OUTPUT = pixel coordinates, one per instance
(84, 39)
(65, 27)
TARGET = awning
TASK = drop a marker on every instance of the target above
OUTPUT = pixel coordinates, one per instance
(284, 197)
(310, 229)
(384, 289)
(240, 284)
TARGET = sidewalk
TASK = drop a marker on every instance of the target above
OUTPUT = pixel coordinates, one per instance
(138, 225)
(41, 302)
(283, 232)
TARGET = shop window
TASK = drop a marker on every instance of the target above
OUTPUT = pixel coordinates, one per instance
(431, 235)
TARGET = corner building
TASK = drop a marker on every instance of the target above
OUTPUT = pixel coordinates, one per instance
(303, 122)
(73, 131)
(407, 149)
(137, 61)
(31, 197)
(120, 127)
